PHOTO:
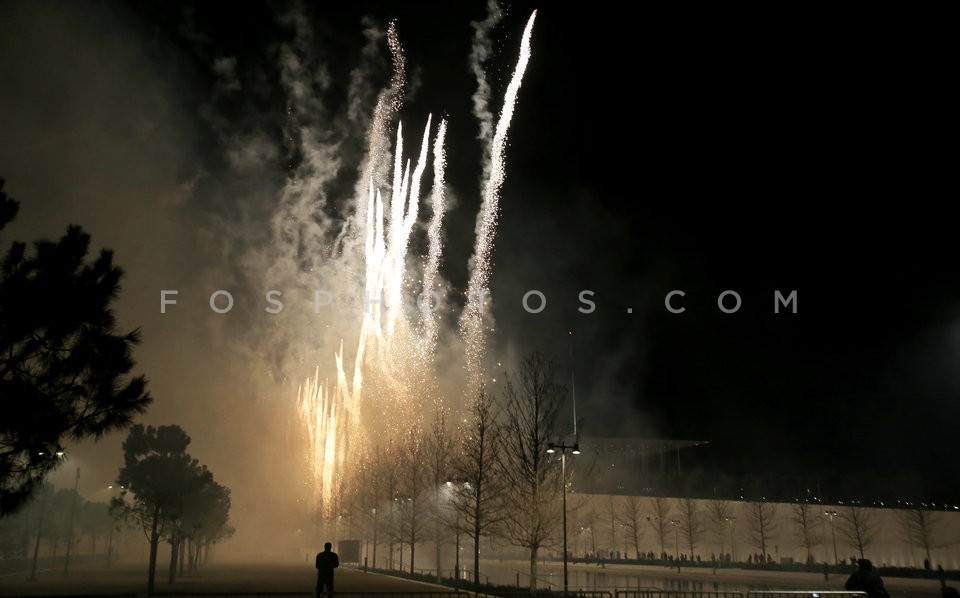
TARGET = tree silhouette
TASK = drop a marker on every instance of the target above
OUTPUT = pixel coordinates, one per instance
(531, 478)
(205, 520)
(440, 449)
(858, 527)
(806, 522)
(691, 523)
(63, 365)
(762, 525)
(477, 492)
(159, 474)
(631, 517)
(659, 520)
(718, 514)
(919, 527)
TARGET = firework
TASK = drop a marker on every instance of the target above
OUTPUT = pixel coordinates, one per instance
(394, 359)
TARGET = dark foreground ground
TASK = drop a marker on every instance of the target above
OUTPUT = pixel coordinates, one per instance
(92, 580)
(232, 578)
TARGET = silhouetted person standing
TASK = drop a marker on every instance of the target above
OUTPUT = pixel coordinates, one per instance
(866, 579)
(945, 590)
(327, 561)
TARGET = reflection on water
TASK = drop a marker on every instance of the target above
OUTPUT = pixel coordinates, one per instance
(603, 580)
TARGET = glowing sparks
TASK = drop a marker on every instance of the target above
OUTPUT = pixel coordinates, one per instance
(431, 270)
(395, 347)
(471, 323)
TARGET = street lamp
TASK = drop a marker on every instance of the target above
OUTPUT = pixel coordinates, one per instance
(733, 537)
(36, 549)
(574, 449)
(374, 537)
(456, 531)
(830, 515)
(113, 525)
(676, 539)
(73, 506)
(459, 489)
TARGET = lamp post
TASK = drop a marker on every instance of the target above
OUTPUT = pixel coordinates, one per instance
(374, 537)
(676, 539)
(73, 506)
(733, 537)
(456, 564)
(36, 547)
(457, 488)
(113, 525)
(574, 449)
(833, 532)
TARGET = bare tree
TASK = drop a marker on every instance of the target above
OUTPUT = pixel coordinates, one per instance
(718, 515)
(761, 524)
(531, 477)
(659, 520)
(477, 492)
(691, 523)
(807, 524)
(918, 528)
(609, 511)
(587, 520)
(413, 480)
(386, 484)
(631, 517)
(439, 470)
(858, 528)
(362, 498)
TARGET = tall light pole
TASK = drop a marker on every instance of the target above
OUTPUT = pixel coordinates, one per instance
(73, 506)
(456, 575)
(574, 449)
(457, 489)
(374, 537)
(830, 515)
(733, 537)
(36, 547)
(113, 525)
(676, 539)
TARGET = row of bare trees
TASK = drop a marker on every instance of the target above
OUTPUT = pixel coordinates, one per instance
(485, 477)
(47, 516)
(682, 524)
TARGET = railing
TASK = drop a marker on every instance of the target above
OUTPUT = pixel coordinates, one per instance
(547, 594)
(654, 593)
(657, 593)
(450, 594)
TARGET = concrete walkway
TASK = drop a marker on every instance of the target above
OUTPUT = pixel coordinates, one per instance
(227, 578)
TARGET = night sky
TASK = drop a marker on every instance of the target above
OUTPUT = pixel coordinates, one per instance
(650, 152)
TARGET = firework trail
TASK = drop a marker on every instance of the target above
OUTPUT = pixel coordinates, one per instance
(432, 268)
(471, 322)
(393, 366)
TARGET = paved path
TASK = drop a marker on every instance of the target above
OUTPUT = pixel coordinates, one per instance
(213, 578)
(300, 578)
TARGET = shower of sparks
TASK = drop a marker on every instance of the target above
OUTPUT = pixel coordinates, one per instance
(394, 360)
(471, 322)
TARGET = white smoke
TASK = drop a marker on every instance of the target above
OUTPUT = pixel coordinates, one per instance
(342, 263)
(480, 53)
